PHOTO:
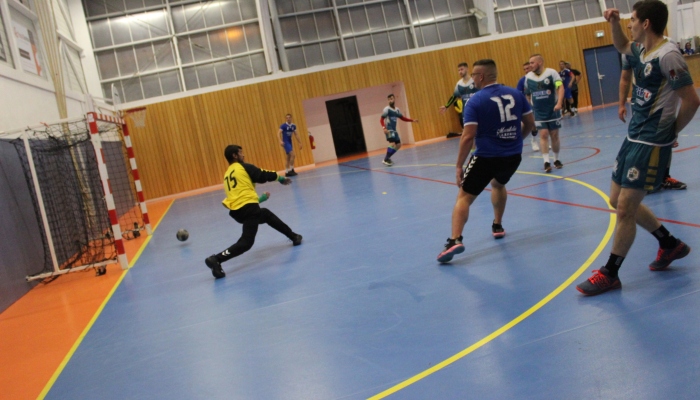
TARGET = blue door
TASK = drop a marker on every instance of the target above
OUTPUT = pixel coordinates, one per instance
(603, 73)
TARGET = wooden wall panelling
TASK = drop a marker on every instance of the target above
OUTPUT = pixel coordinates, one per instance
(182, 146)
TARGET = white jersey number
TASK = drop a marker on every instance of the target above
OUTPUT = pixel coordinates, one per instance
(505, 111)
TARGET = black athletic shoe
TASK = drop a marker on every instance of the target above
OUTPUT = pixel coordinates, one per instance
(453, 246)
(547, 167)
(599, 283)
(558, 164)
(673, 184)
(215, 267)
(290, 173)
(665, 257)
(297, 240)
(498, 231)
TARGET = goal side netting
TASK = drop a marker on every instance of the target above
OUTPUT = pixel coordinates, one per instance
(85, 190)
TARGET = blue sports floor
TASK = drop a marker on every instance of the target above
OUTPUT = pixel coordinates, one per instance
(362, 308)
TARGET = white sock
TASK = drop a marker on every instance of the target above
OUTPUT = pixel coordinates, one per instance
(546, 157)
(556, 156)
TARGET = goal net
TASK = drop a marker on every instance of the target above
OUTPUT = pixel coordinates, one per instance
(87, 197)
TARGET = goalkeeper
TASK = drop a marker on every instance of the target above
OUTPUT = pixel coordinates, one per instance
(244, 205)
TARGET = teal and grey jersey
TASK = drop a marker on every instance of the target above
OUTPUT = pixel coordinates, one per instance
(389, 116)
(625, 63)
(542, 89)
(463, 91)
(657, 73)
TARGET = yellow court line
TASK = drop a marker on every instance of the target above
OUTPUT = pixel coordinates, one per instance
(85, 331)
(530, 311)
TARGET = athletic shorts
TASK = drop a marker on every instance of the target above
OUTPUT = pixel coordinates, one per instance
(393, 137)
(548, 125)
(481, 170)
(641, 166)
(288, 147)
(567, 93)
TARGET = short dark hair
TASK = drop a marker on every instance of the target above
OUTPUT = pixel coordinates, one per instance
(232, 150)
(527, 63)
(653, 10)
(463, 64)
(288, 115)
(390, 95)
(490, 65)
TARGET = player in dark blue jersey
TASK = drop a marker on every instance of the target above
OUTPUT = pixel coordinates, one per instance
(287, 129)
(497, 118)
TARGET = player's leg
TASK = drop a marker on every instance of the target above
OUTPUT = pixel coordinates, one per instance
(476, 177)
(394, 146)
(248, 216)
(534, 140)
(504, 169)
(292, 156)
(574, 105)
(544, 144)
(268, 217)
(556, 144)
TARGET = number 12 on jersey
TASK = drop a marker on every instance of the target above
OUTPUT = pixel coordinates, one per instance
(505, 111)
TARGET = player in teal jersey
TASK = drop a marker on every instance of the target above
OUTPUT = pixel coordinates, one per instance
(464, 89)
(388, 121)
(546, 92)
(668, 183)
(661, 80)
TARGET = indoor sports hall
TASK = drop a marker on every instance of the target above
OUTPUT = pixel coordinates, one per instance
(361, 309)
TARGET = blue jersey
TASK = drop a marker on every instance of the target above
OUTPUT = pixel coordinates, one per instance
(390, 115)
(565, 75)
(287, 131)
(521, 85)
(497, 111)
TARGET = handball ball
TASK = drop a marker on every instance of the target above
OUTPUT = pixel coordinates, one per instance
(182, 235)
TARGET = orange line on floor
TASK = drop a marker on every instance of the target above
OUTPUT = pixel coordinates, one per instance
(38, 330)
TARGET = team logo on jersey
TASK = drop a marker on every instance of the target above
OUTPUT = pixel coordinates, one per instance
(549, 92)
(471, 86)
(672, 75)
(647, 69)
(647, 95)
(546, 81)
(632, 174)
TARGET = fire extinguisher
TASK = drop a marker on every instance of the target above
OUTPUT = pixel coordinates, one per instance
(311, 140)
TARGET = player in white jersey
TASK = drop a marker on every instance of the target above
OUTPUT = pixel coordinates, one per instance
(546, 91)
(661, 80)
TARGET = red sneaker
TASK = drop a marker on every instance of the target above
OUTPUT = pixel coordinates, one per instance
(599, 283)
(665, 256)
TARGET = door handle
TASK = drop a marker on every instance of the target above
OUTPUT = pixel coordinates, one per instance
(600, 77)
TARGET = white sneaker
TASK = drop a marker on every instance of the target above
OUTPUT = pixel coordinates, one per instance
(535, 146)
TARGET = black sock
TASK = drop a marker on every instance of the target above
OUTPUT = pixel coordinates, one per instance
(614, 264)
(666, 240)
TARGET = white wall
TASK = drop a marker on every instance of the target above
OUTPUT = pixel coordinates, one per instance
(371, 102)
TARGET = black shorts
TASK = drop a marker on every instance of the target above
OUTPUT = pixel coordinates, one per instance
(481, 170)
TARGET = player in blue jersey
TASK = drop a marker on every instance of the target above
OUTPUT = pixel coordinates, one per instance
(521, 88)
(567, 78)
(464, 89)
(546, 91)
(287, 130)
(492, 119)
(388, 120)
(661, 80)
